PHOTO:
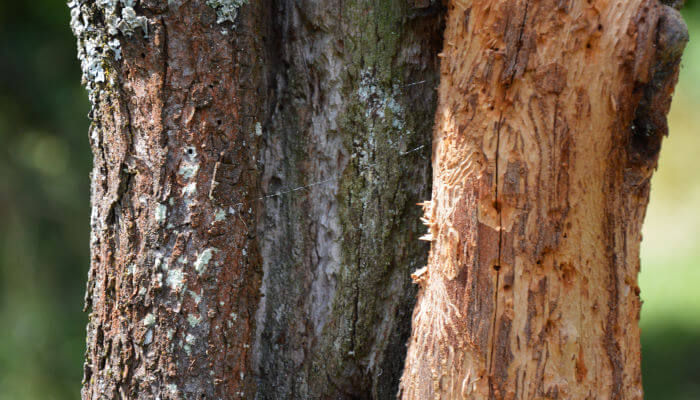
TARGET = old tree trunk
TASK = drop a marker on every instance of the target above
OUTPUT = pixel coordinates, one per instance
(549, 123)
(256, 169)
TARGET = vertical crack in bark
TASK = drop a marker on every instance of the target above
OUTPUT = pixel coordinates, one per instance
(497, 267)
(125, 170)
(164, 81)
(561, 320)
(519, 46)
(612, 346)
(355, 316)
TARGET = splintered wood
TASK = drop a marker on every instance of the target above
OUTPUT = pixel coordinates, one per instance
(549, 124)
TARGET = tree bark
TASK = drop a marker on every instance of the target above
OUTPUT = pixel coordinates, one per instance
(256, 169)
(549, 123)
(175, 272)
(350, 130)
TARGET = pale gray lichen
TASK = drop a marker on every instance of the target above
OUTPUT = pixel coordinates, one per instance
(149, 320)
(190, 189)
(197, 298)
(130, 21)
(200, 265)
(188, 170)
(175, 279)
(258, 129)
(220, 215)
(98, 41)
(148, 337)
(161, 213)
(193, 320)
(172, 389)
(115, 46)
(226, 10)
(190, 340)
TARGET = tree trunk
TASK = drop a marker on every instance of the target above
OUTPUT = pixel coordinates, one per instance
(350, 129)
(256, 169)
(549, 122)
(175, 271)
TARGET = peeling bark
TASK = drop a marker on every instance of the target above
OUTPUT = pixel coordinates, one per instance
(549, 123)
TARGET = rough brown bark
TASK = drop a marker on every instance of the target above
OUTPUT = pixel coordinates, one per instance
(550, 118)
(257, 166)
(175, 272)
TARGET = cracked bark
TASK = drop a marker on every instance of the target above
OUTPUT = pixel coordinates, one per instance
(549, 123)
(175, 271)
(253, 194)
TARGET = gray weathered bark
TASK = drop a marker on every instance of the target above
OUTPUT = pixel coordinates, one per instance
(351, 126)
(257, 166)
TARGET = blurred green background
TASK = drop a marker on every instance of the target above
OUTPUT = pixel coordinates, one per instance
(44, 217)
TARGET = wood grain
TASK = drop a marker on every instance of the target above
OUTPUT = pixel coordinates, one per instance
(549, 123)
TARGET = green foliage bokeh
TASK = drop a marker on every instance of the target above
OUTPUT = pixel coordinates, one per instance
(44, 217)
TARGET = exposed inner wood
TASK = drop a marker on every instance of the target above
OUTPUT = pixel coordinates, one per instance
(549, 123)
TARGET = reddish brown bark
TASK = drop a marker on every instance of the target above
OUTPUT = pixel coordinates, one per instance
(175, 271)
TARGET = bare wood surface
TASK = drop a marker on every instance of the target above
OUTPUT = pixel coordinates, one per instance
(549, 123)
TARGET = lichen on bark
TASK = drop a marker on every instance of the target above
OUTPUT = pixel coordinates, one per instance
(171, 289)
(351, 127)
(226, 10)
(253, 194)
